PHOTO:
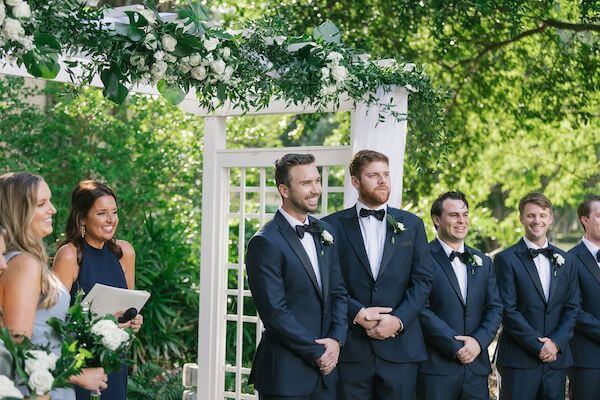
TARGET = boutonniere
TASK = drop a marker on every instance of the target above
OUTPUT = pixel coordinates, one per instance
(397, 227)
(558, 261)
(475, 261)
(324, 235)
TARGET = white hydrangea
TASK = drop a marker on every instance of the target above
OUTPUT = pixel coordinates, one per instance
(168, 43)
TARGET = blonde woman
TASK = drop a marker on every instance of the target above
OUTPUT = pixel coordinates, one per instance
(30, 294)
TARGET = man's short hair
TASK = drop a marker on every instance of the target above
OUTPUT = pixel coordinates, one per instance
(363, 158)
(585, 208)
(438, 204)
(536, 198)
(285, 163)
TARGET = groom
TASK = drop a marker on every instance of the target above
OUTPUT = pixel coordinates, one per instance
(387, 268)
(294, 276)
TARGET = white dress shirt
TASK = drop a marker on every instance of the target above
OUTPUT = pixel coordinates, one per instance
(373, 234)
(542, 264)
(592, 248)
(459, 267)
(307, 242)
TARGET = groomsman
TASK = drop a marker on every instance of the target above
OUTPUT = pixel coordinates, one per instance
(584, 377)
(538, 286)
(464, 309)
(296, 283)
(387, 269)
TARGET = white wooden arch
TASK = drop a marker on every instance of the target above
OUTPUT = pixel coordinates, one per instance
(367, 132)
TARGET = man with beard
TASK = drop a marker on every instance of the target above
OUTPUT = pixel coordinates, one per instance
(584, 377)
(464, 310)
(296, 284)
(538, 286)
(388, 271)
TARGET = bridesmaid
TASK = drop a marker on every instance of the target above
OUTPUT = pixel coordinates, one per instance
(30, 294)
(90, 254)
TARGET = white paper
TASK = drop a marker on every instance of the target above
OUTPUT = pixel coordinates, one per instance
(103, 299)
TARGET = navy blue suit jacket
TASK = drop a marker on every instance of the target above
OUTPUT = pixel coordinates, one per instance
(403, 283)
(527, 315)
(447, 315)
(586, 341)
(295, 312)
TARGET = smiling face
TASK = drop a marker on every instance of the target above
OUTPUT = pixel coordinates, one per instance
(453, 224)
(101, 221)
(41, 223)
(302, 194)
(536, 220)
(373, 185)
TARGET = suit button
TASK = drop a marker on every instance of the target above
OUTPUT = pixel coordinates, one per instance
(375, 289)
(325, 312)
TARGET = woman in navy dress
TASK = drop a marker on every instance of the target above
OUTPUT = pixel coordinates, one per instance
(90, 254)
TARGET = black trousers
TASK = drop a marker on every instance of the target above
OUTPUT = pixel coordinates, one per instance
(539, 383)
(584, 384)
(320, 393)
(462, 385)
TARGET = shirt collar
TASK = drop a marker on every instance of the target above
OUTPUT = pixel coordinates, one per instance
(291, 220)
(591, 246)
(360, 204)
(534, 246)
(448, 249)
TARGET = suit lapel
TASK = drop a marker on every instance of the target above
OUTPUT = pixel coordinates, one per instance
(442, 259)
(388, 247)
(553, 279)
(587, 259)
(524, 256)
(323, 265)
(471, 276)
(293, 240)
(352, 230)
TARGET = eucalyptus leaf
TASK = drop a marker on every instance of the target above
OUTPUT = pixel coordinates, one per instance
(327, 32)
(171, 92)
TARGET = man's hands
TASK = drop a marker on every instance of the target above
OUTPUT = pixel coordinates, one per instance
(378, 322)
(549, 350)
(470, 350)
(328, 360)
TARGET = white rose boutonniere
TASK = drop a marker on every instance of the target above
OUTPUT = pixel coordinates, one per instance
(558, 260)
(475, 261)
(326, 239)
(397, 226)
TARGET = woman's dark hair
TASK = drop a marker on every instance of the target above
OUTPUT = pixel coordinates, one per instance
(82, 200)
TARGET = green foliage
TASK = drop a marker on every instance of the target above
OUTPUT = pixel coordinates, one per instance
(152, 381)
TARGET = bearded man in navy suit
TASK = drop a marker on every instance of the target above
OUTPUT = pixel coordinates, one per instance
(296, 284)
(388, 271)
(538, 286)
(463, 313)
(584, 376)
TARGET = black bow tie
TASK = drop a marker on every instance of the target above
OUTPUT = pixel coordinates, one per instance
(464, 257)
(546, 252)
(302, 229)
(379, 214)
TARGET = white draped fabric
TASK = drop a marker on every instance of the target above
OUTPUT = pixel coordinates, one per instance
(387, 136)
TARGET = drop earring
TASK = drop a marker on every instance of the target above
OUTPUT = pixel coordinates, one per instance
(82, 231)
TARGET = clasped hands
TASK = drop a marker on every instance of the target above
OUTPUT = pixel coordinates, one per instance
(378, 322)
(549, 350)
(328, 360)
(470, 350)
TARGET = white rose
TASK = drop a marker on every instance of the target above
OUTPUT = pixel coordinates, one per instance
(328, 90)
(39, 360)
(170, 58)
(409, 67)
(168, 43)
(13, 3)
(41, 381)
(559, 259)
(27, 42)
(149, 16)
(218, 66)
(2, 12)
(327, 237)
(12, 29)
(159, 55)
(184, 68)
(21, 11)
(199, 73)
(209, 58)
(195, 60)
(324, 73)
(211, 44)
(8, 388)
(334, 57)
(400, 226)
(113, 338)
(478, 260)
(339, 73)
(226, 53)
(158, 69)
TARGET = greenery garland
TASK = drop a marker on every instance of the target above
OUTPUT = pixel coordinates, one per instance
(247, 68)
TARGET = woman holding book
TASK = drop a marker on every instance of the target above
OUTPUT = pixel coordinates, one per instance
(30, 293)
(91, 254)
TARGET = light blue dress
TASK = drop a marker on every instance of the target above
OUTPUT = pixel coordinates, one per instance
(44, 335)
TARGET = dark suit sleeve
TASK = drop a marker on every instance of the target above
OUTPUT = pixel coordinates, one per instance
(564, 332)
(492, 316)
(588, 325)
(263, 264)
(339, 301)
(439, 334)
(514, 322)
(421, 279)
